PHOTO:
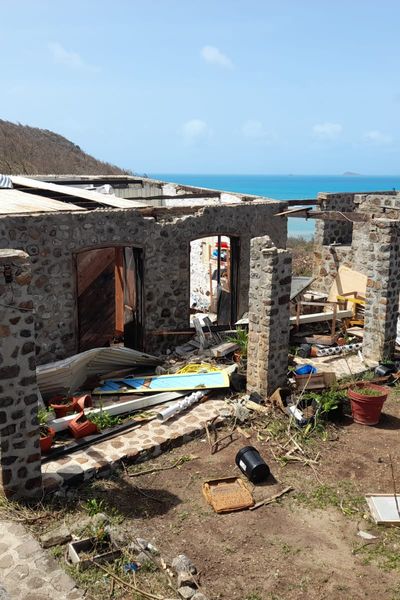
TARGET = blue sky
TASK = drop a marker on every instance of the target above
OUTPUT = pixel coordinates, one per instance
(185, 86)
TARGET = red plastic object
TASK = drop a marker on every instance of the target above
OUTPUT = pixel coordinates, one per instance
(366, 409)
(46, 442)
(81, 426)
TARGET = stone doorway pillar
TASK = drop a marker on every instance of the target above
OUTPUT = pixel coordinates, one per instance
(383, 289)
(269, 313)
(20, 458)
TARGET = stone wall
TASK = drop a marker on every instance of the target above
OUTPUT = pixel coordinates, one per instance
(269, 296)
(342, 243)
(53, 239)
(20, 471)
(334, 232)
(383, 289)
(327, 260)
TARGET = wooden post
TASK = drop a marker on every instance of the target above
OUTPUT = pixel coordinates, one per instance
(119, 292)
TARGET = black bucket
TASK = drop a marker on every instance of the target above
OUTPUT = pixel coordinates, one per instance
(249, 461)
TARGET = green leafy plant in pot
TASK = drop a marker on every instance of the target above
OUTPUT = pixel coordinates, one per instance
(47, 433)
(367, 400)
(330, 402)
(103, 420)
(241, 338)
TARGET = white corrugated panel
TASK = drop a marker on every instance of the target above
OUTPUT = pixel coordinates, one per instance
(76, 192)
(69, 374)
(17, 202)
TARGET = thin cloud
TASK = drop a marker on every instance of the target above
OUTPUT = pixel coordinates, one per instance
(214, 56)
(327, 131)
(377, 137)
(255, 130)
(195, 130)
(72, 60)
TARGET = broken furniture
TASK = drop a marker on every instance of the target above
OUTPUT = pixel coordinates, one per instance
(357, 303)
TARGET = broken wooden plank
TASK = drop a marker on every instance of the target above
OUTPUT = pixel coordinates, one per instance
(224, 349)
(175, 382)
(292, 211)
(271, 498)
(320, 317)
(200, 333)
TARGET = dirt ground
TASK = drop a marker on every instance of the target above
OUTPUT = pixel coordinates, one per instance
(305, 546)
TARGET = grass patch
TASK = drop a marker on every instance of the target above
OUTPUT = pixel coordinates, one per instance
(383, 552)
(253, 596)
(342, 496)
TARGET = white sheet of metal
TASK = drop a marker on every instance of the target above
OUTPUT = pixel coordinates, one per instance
(17, 202)
(76, 192)
(69, 374)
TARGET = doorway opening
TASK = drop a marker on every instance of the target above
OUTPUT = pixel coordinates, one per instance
(109, 285)
(214, 279)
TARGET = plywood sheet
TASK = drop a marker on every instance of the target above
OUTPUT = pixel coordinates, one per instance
(165, 383)
(347, 281)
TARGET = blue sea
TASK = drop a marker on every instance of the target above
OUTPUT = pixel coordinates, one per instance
(288, 187)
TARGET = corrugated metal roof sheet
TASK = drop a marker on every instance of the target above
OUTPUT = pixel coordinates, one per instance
(16, 202)
(76, 192)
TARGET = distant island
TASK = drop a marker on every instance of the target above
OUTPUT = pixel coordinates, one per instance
(351, 174)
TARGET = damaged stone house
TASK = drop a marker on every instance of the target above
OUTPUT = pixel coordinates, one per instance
(89, 261)
(81, 269)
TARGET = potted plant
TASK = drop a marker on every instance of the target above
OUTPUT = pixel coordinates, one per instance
(46, 433)
(367, 400)
(330, 402)
(103, 420)
(62, 405)
(241, 338)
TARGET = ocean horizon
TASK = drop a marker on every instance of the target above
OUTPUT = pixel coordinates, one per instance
(287, 187)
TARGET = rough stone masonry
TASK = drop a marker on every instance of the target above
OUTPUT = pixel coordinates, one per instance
(52, 241)
(20, 470)
(269, 312)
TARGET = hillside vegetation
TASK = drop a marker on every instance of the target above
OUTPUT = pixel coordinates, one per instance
(28, 150)
(302, 255)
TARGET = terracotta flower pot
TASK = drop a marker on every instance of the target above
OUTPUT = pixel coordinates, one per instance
(237, 356)
(81, 426)
(62, 405)
(79, 403)
(47, 441)
(366, 409)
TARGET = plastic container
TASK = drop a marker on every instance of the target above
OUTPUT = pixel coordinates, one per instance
(305, 370)
(249, 461)
(385, 370)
